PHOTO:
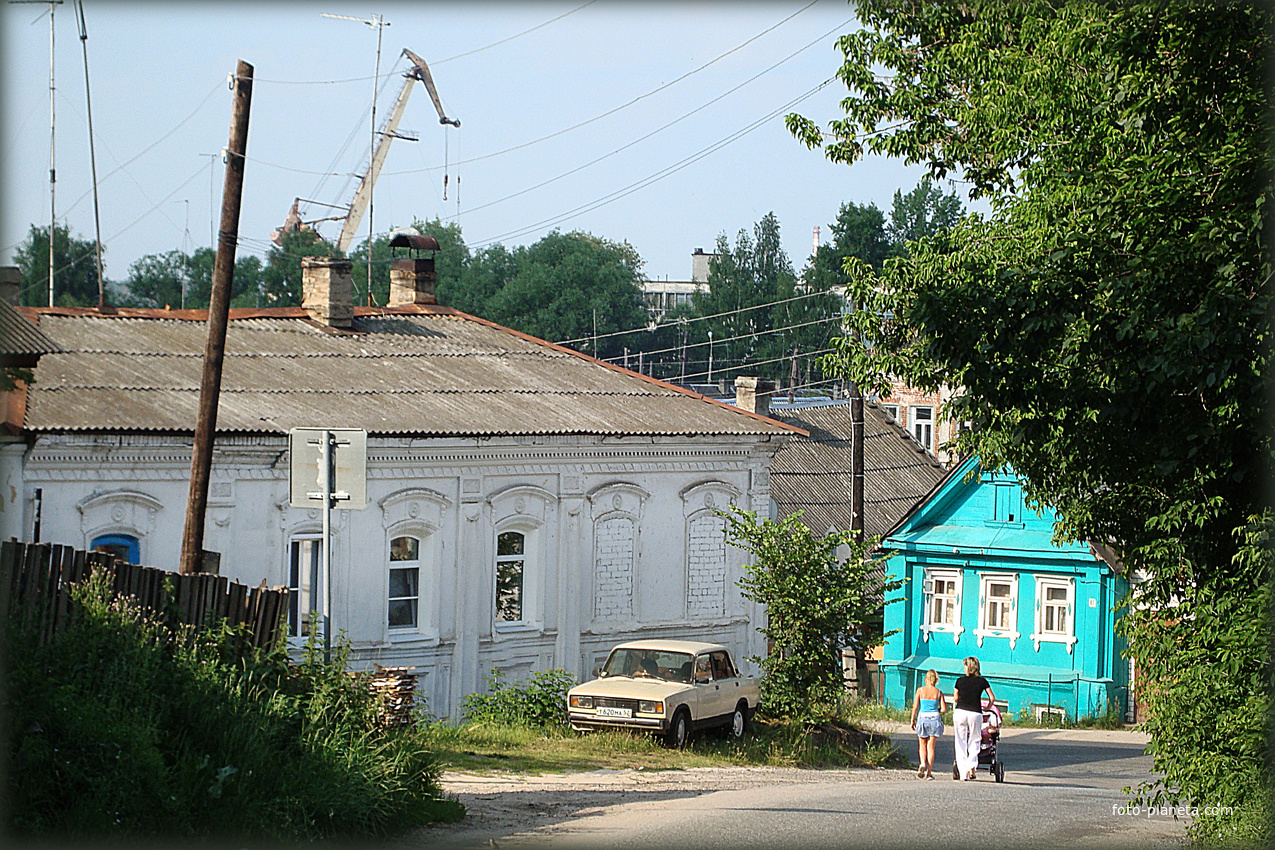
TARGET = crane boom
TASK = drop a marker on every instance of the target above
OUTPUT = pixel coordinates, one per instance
(423, 74)
(389, 132)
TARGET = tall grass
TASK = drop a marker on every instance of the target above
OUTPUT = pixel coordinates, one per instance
(125, 729)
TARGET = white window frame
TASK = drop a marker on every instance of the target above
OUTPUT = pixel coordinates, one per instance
(891, 410)
(985, 580)
(1067, 636)
(520, 558)
(919, 426)
(952, 574)
(421, 513)
(405, 564)
(528, 510)
(296, 637)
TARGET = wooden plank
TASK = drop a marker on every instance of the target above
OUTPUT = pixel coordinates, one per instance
(27, 580)
(65, 563)
(10, 553)
(47, 599)
(223, 597)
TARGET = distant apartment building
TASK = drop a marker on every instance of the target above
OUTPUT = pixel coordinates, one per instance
(661, 296)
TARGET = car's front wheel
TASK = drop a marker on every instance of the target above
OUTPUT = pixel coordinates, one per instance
(738, 721)
(679, 730)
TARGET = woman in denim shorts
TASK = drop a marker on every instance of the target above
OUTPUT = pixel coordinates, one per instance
(927, 719)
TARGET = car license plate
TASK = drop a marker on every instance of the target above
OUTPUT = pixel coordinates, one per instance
(607, 711)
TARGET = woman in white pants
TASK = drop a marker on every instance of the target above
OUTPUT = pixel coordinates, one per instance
(967, 718)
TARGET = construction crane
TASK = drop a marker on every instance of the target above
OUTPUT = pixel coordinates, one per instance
(389, 131)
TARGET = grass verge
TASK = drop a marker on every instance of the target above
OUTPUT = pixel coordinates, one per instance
(488, 746)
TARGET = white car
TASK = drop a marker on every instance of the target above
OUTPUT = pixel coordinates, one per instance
(670, 688)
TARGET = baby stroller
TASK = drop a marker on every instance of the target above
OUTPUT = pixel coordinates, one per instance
(990, 743)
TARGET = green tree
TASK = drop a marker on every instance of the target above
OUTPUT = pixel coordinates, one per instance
(923, 213)
(74, 268)
(753, 296)
(859, 231)
(816, 605)
(177, 279)
(1109, 322)
(158, 280)
(572, 286)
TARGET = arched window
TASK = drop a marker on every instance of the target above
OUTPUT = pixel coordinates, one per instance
(405, 583)
(510, 564)
(123, 546)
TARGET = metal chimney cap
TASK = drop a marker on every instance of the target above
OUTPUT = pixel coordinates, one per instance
(415, 241)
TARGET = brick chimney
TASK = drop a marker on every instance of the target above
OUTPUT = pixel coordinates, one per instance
(412, 281)
(327, 290)
(753, 394)
(10, 284)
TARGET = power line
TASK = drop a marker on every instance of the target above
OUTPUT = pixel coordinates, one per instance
(623, 106)
(753, 335)
(648, 328)
(512, 37)
(658, 130)
(659, 175)
(435, 64)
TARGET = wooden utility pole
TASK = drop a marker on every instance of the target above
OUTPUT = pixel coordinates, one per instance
(856, 462)
(218, 315)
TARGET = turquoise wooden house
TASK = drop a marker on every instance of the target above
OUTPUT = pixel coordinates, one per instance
(984, 578)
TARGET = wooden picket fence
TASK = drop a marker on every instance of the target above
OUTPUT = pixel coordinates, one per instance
(36, 578)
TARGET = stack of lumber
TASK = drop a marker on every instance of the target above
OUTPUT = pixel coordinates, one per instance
(395, 687)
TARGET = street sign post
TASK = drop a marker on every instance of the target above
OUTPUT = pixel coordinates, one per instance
(327, 468)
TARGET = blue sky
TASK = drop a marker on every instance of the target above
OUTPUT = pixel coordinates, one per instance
(563, 107)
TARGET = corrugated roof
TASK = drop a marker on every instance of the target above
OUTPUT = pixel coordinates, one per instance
(812, 474)
(421, 370)
(20, 340)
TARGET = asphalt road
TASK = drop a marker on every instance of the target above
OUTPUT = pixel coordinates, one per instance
(1062, 788)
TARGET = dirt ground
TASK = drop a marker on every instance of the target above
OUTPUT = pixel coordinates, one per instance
(501, 804)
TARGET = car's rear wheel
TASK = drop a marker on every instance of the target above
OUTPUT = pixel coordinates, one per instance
(738, 722)
(679, 731)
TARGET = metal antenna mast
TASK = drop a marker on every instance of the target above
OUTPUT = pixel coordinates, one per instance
(52, 140)
(97, 217)
(380, 23)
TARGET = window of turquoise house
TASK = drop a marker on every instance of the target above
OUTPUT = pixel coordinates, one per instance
(997, 607)
(942, 592)
(1055, 611)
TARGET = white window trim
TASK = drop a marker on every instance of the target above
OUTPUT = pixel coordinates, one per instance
(298, 640)
(528, 510)
(1040, 636)
(927, 594)
(929, 423)
(416, 512)
(984, 579)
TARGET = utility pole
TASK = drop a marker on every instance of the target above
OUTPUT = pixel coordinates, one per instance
(218, 316)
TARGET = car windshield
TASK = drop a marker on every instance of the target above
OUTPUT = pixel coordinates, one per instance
(649, 664)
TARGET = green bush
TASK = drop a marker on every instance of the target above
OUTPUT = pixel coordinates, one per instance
(123, 729)
(538, 701)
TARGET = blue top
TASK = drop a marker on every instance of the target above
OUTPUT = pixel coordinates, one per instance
(930, 706)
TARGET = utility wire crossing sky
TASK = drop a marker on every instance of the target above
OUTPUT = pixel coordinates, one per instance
(660, 125)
